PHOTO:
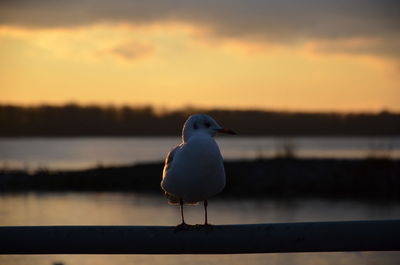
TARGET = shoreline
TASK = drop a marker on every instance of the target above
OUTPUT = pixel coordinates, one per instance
(367, 179)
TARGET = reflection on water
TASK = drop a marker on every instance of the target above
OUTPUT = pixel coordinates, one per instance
(130, 209)
(77, 153)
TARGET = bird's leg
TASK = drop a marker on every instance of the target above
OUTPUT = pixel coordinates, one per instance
(183, 225)
(205, 212)
(183, 219)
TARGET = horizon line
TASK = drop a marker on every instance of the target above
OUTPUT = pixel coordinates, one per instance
(162, 109)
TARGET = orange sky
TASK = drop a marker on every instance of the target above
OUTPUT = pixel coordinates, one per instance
(179, 62)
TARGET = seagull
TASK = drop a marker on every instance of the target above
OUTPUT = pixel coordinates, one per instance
(194, 169)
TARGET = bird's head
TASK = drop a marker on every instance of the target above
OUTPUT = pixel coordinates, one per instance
(202, 123)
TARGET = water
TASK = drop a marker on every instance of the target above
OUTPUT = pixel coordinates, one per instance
(79, 153)
(131, 209)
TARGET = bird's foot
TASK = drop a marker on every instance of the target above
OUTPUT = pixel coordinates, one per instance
(182, 226)
(205, 226)
(208, 226)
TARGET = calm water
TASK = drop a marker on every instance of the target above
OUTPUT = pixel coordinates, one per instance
(130, 209)
(78, 153)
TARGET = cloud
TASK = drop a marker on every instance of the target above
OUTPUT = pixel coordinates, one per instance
(386, 48)
(282, 21)
(132, 50)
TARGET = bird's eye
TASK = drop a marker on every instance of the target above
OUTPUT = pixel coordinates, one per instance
(207, 124)
(195, 126)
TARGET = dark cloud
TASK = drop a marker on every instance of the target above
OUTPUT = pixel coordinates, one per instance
(257, 20)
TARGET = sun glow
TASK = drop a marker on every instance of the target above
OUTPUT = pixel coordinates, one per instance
(173, 65)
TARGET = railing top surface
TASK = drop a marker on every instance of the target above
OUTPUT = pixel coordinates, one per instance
(377, 235)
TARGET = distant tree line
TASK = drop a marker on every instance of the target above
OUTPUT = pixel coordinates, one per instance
(75, 120)
(369, 179)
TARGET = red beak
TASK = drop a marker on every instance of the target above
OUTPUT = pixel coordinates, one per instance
(227, 131)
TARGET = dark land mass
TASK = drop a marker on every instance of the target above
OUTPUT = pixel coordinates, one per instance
(75, 120)
(328, 178)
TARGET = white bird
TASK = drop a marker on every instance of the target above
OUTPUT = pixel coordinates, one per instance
(194, 170)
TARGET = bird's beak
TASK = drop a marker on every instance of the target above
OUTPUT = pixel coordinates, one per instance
(225, 130)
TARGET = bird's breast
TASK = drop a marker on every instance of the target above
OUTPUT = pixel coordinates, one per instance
(202, 152)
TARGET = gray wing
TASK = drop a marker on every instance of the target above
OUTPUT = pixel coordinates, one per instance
(167, 165)
(170, 158)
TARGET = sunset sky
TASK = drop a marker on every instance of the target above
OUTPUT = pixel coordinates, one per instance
(307, 55)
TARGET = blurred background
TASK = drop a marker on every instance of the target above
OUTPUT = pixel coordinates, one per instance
(93, 94)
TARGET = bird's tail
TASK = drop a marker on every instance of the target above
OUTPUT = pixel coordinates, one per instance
(173, 200)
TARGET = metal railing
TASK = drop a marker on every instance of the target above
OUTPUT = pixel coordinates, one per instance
(218, 239)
